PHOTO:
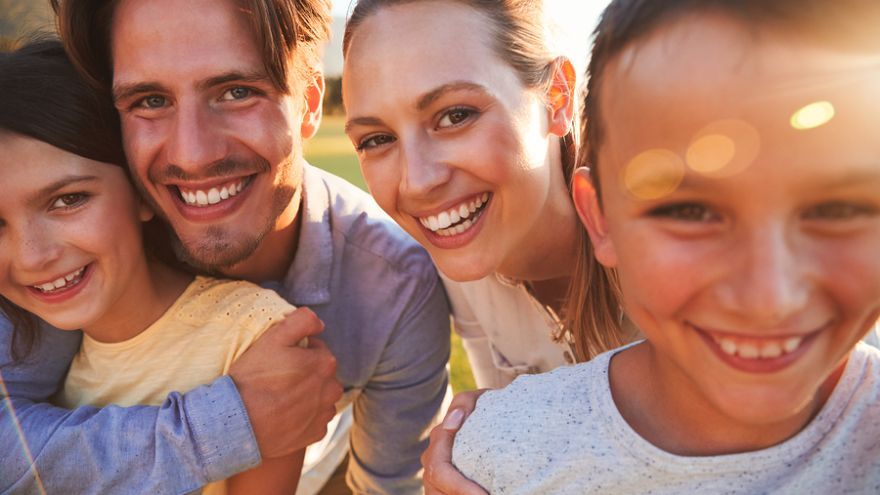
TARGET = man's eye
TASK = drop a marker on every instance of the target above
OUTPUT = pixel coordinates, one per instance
(153, 102)
(374, 141)
(237, 93)
(686, 212)
(455, 117)
(839, 211)
(69, 200)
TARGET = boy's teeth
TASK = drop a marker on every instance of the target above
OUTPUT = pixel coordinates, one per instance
(769, 349)
(449, 222)
(212, 196)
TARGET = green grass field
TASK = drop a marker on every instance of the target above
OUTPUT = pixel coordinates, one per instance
(331, 150)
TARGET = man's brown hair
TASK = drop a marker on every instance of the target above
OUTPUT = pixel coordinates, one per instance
(289, 34)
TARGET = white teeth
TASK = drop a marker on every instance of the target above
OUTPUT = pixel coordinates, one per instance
(61, 281)
(452, 221)
(212, 196)
(766, 349)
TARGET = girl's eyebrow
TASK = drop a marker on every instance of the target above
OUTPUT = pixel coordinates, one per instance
(61, 183)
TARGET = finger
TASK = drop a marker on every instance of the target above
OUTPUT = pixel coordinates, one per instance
(296, 326)
(466, 401)
(441, 476)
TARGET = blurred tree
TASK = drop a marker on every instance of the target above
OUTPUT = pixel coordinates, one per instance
(333, 96)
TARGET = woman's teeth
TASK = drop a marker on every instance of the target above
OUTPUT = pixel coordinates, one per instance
(457, 219)
(70, 279)
(212, 196)
(765, 349)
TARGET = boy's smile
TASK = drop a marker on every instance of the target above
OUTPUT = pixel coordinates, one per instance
(752, 283)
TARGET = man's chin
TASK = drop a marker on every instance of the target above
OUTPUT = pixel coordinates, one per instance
(213, 254)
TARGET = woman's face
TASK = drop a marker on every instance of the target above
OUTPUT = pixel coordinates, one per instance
(70, 240)
(450, 142)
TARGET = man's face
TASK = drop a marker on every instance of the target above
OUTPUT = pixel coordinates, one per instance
(212, 143)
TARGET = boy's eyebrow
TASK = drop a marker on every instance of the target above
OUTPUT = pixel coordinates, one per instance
(60, 184)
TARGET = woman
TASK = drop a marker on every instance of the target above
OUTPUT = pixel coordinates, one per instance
(462, 120)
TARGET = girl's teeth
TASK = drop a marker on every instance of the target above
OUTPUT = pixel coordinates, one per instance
(763, 350)
(791, 344)
(771, 350)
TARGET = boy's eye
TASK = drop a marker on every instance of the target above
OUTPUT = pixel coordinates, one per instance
(839, 211)
(374, 141)
(455, 117)
(69, 200)
(686, 212)
(237, 93)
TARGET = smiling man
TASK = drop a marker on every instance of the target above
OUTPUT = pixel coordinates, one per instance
(215, 99)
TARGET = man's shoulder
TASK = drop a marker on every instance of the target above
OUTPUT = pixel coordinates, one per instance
(366, 232)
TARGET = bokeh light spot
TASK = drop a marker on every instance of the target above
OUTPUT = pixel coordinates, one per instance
(710, 153)
(723, 148)
(813, 115)
(653, 174)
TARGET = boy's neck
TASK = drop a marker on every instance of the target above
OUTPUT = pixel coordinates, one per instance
(659, 403)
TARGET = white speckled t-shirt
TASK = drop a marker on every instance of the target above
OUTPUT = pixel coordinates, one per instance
(561, 433)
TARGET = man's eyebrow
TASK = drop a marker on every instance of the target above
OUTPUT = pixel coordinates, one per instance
(126, 91)
(431, 96)
(60, 184)
(423, 102)
(234, 76)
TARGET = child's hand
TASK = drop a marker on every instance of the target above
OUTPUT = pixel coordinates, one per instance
(441, 476)
(289, 391)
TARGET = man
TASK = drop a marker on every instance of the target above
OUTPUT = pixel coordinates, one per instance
(215, 99)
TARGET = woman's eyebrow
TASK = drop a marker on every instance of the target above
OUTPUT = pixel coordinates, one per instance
(431, 96)
(60, 184)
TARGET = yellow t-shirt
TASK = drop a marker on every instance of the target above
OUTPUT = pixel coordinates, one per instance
(209, 326)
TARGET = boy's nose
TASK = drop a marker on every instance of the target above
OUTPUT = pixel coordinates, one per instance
(196, 139)
(770, 283)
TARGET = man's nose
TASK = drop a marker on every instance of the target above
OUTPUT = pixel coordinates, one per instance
(196, 138)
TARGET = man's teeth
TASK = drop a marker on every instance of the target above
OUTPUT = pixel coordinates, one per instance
(71, 278)
(199, 197)
(455, 220)
(767, 349)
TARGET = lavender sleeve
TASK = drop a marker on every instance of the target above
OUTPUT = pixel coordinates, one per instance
(188, 441)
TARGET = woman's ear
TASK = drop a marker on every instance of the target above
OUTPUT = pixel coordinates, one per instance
(313, 94)
(589, 210)
(561, 96)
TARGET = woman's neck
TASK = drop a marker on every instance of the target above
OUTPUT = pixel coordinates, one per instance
(152, 288)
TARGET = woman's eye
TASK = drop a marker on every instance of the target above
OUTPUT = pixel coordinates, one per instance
(454, 117)
(237, 93)
(686, 212)
(69, 200)
(374, 141)
(839, 211)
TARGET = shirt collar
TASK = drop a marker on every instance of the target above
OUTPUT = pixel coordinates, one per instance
(308, 280)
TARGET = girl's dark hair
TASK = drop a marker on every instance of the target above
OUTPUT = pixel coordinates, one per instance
(43, 97)
(595, 315)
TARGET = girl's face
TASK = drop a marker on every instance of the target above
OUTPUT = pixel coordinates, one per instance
(70, 238)
(740, 186)
(451, 144)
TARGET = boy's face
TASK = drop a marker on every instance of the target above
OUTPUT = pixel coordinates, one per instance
(746, 235)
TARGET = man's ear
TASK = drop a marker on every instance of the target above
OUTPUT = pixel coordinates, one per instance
(589, 210)
(314, 99)
(145, 213)
(561, 96)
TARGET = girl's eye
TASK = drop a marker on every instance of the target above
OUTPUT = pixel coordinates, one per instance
(839, 211)
(374, 141)
(455, 117)
(237, 93)
(69, 200)
(685, 212)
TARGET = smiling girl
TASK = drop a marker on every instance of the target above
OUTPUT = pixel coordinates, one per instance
(72, 254)
(733, 195)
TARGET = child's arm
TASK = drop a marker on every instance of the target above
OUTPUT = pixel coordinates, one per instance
(279, 476)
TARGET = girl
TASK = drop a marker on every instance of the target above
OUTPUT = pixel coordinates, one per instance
(734, 199)
(71, 253)
(462, 120)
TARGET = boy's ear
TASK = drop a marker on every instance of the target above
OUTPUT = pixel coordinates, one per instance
(313, 95)
(561, 96)
(587, 205)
